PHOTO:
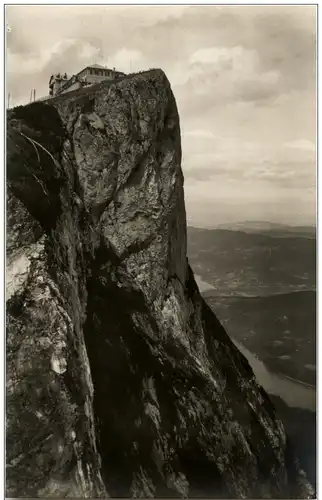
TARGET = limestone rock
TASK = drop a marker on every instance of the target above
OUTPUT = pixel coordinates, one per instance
(121, 381)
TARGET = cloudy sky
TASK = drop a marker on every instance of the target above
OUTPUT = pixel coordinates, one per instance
(243, 78)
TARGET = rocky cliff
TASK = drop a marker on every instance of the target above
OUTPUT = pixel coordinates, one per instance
(120, 379)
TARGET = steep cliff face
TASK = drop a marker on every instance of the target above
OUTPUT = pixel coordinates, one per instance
(120, 379)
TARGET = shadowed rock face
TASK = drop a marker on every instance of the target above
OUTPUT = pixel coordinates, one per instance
(120, 379)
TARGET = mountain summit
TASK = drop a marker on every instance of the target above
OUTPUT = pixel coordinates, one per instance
(120, 379)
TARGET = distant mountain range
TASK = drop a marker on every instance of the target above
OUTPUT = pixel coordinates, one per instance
(270, 228)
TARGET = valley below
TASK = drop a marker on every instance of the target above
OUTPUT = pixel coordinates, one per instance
(262, 289)
(279, 329)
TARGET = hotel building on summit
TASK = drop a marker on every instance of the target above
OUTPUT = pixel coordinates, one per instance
(60, 83)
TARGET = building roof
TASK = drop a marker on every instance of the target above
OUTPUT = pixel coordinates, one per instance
(96, 66)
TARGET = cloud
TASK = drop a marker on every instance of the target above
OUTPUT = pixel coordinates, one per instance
(204, 134)
(227, 58)
(220, 159)
(128, 60)
(69, 55)
(235, 71)
(55, 57)
(303, 144)
(250, 199)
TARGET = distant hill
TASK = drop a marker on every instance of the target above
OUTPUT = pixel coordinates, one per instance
(270, 229)
(253, 263)
(279, 329)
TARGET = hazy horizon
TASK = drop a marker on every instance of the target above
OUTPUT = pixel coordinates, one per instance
(201, 225)
(243, 78)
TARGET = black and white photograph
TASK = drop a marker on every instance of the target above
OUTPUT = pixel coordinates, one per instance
(160, 251)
